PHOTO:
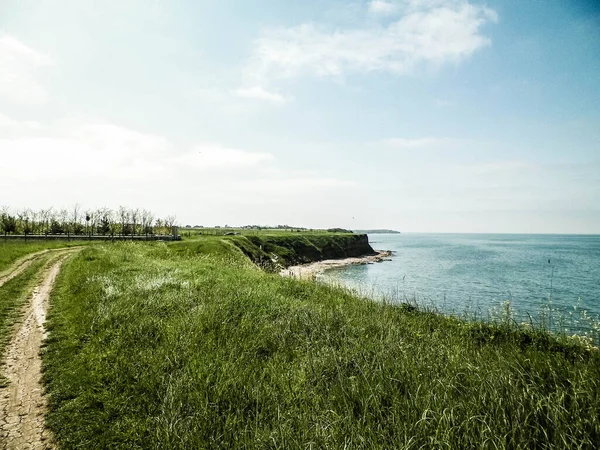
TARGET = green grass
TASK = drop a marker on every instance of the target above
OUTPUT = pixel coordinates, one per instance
(210, 245)
(154, 346)
(193, 233)
(13, 295)
(10, 251)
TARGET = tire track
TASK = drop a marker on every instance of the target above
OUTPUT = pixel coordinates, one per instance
(22, 404)
(20, 266)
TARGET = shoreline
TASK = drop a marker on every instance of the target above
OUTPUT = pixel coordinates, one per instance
(310, 270)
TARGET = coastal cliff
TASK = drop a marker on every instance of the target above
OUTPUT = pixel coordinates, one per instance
(275, 252)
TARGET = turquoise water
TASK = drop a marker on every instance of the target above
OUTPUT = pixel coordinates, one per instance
(475, 274)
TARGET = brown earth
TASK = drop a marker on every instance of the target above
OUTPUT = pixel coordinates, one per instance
(22, 404)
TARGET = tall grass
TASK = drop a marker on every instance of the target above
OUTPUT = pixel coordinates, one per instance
(574, 322)
(153, 348)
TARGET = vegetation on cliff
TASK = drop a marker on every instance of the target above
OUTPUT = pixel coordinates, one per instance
(273, 251)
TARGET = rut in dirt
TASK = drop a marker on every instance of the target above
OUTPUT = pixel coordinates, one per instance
(22, 403)
(20, 266)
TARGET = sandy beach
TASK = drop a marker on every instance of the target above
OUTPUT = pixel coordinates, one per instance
(309, 271)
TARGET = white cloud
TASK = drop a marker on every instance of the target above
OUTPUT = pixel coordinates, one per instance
(74, 157)
(121, 142)
(381, 7)
(101, 153)
(105, 152)
(216, 156)
(428, 33)
(6, 123)
(12, 47)
(102, 164)
(19, 65)
(259, 93)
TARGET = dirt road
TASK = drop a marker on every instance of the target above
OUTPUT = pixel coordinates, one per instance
(20, 266)
(22, 404)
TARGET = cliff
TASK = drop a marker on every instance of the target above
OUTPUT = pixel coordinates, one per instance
(274, 252)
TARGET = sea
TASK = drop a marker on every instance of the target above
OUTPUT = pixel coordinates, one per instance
(543, 280)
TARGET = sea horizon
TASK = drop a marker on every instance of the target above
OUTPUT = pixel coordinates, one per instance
(492, 233)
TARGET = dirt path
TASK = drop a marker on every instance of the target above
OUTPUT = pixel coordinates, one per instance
(20, 266)
(22, 404)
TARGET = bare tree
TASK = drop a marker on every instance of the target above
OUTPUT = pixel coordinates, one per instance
(74, 219)
(147, 222)
(34, 217)
(104, 217)
(45, 215)
(23, 221)
(134, 214)
(169, 223)
(123, 216)
(159, 226)
(63, 219)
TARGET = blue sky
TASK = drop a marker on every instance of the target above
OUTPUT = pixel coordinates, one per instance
(417, 115)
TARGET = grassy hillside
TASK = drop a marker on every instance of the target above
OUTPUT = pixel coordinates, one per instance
(273, 251)
(154, 346)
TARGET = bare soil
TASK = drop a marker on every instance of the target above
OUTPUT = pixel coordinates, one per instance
(22, 404)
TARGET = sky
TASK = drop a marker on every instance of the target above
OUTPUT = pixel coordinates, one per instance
(415, 115)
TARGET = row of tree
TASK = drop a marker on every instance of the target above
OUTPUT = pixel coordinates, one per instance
(78, 221)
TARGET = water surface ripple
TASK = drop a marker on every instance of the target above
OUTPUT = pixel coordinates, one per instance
(475, 273)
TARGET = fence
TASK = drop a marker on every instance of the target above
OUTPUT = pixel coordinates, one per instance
(86, 237)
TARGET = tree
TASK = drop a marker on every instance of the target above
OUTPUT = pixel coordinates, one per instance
(134, 214)
(45, 218)
(124, 218)
(147, 221)
(63, 219)
(104, 216)
(103, 221)
(75, 226)
(56, 227)
(8, 222)
(26, 222)
(90, 222)
(169, 223)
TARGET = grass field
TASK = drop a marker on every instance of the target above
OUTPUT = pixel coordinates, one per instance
(158, 346)
(11, 251)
